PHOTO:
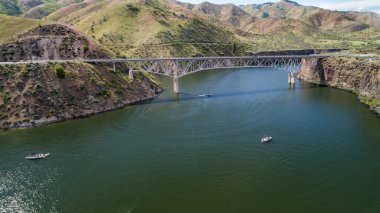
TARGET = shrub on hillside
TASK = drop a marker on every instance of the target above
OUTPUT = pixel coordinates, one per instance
(6, 98)
(60, 71)
(85, 48)
(132, 8)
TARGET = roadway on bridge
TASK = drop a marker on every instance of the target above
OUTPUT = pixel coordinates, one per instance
(120, 60)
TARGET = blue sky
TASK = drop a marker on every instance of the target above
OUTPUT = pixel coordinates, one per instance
(355, 5)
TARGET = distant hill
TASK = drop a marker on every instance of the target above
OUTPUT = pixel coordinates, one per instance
(133, 28)
(33, 8)
(42, 8)
(137, 27)
(13, 26)
(10, 7)
(282, 9)
(269, 32)
(327, 20)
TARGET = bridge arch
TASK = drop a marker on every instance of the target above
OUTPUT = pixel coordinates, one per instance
(180, 67)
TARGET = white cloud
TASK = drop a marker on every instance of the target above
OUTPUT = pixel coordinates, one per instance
(355, 5)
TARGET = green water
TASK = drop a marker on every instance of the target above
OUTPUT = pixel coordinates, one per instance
(192, 154)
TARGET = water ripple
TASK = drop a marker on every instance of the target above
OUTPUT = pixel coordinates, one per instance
(21, 190)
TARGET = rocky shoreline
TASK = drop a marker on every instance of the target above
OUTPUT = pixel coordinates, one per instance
(359, 76)
(54, 119)
(33, 94)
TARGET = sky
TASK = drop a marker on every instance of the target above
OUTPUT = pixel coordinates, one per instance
(355, 5)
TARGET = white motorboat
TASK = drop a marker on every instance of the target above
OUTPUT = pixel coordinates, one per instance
(205, 95)
(36, 156)
(266, 139)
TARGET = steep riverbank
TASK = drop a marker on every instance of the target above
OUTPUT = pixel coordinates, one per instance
(360, 76)
(35, 94)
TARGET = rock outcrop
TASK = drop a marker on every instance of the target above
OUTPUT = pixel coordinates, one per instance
(52, 42)
(35, 94)
(360, 76)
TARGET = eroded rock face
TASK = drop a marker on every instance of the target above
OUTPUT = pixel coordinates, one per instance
(32, 94)
(50, 42)
(360, 76)
(312, 71)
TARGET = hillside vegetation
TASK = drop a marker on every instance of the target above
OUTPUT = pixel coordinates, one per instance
(38, 93)
(33, 8)
(10, 7)
(138, 28)
(147, 28)
(51, 41)
(11, 27)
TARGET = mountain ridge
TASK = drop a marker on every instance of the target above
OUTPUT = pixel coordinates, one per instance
(139, 28)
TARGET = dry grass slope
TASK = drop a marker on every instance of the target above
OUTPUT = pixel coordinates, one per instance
(11, 27)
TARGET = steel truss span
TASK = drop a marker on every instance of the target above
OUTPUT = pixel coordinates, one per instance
(180, 68)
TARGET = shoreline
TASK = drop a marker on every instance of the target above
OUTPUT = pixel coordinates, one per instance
(34, 95)
(372, 110)
(55, 120)
(357, 76)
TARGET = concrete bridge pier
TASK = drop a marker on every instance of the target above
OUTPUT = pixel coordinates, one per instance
(291, 78)
(175, 85)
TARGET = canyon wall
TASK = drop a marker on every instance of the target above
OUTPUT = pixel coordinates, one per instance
(358, 75)
(33, 94)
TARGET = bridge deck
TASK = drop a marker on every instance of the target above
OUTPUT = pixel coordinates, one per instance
(179, 67)
(119, 60)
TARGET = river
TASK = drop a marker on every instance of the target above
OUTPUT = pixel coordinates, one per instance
(191, 154)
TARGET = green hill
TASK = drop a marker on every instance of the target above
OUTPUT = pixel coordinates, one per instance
(10, 7)
(11, 27)
(325, 20)
(151, 27)
(137, 28)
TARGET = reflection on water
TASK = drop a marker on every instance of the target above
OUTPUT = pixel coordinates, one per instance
(185, 153)
(23, 185)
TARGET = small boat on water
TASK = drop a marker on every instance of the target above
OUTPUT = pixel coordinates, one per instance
(266, 139)
(36, 156)
(205, 95)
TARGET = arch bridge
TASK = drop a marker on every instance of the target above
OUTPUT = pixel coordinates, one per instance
(180, 67)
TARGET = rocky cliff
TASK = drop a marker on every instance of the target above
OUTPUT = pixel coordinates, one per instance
(53, 42)
(34, 94)
(360, 76)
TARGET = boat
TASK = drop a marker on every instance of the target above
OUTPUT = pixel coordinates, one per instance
(266, 139)
(205, 95)
(36, 156)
